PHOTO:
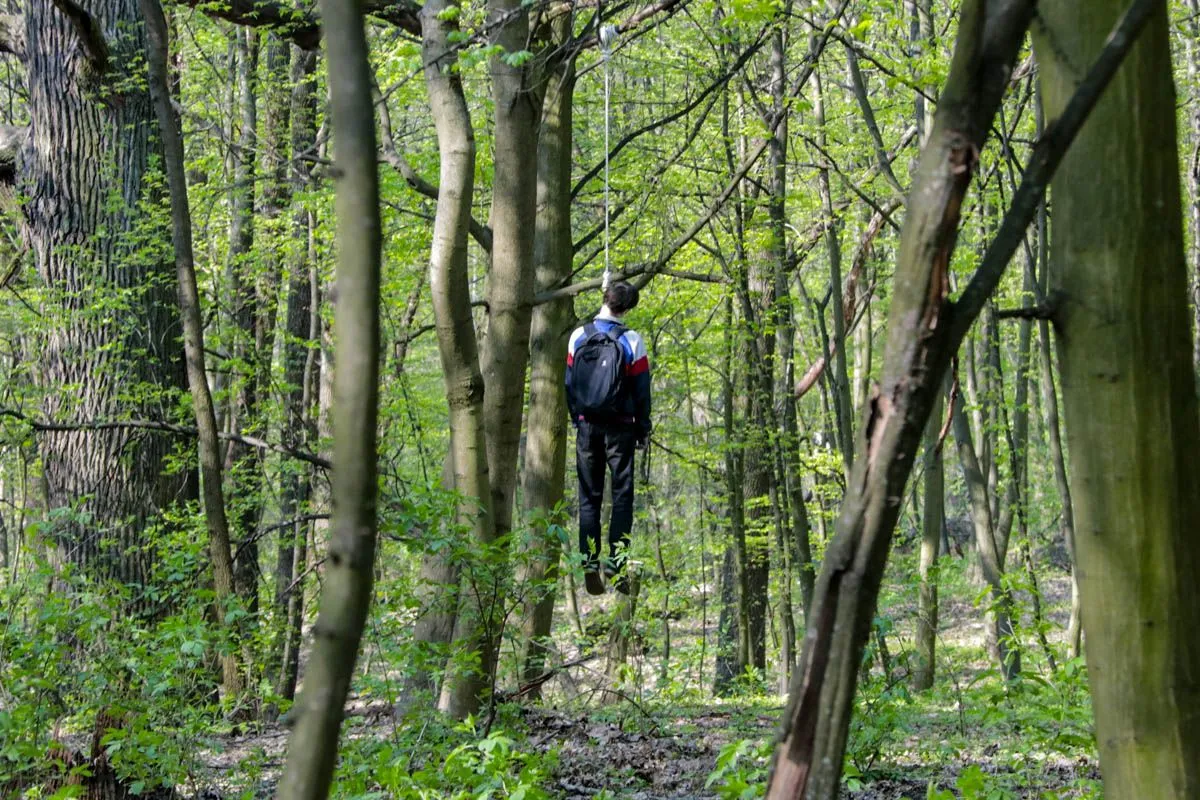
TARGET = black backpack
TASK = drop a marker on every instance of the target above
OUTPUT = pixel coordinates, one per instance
(598, 371)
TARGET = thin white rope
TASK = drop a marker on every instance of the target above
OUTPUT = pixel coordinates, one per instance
(608, 36)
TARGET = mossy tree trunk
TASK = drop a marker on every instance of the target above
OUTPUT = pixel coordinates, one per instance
(1129, 394)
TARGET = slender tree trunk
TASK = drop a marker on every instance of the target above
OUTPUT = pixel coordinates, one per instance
(193, 330)
(346, 597)
(546, 439)
(932, 522)
(456, 337)
(1129, 393)
(839, 377)
(300, 354)
(990, 561)
(923, 331)
(245, 463)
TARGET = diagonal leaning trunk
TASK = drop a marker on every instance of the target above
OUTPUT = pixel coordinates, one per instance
(1133, 427)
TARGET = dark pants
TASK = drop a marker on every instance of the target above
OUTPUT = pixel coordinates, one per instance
(598, 446)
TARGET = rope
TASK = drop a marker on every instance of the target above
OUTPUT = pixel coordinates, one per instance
(608, 37)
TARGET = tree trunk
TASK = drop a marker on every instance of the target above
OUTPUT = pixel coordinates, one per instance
(546, 438)
(839, 376)
(1129, 393)
(990, 560)
(932, 522)
(457, 346)
(346, 597)
(193, 329)
(110, 292)
(923, 331)
(245, 463)
(300, 357)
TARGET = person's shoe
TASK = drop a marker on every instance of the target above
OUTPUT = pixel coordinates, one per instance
(591, 579)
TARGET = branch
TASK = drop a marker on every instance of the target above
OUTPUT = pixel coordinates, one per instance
(479, 232)
(12, 35)
(1047, 310)
(625, 140)
(648, 271)
(164, 427)
(302, 29)
(1046, 156)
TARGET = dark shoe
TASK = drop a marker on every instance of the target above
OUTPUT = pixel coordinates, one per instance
(621, 583)
(593, 583)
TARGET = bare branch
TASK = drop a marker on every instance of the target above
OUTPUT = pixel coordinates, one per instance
(163, 427)
(479, 232)
(304, 30)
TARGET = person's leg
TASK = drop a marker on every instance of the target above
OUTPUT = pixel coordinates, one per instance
(589, 465)
(620, 448)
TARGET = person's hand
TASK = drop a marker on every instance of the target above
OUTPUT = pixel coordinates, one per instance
(643, 443)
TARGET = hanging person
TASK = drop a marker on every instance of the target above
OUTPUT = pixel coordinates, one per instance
(608, 397)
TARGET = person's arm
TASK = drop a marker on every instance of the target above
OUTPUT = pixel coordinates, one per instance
(639, 373)
(574, 417)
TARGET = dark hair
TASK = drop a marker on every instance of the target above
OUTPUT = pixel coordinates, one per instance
(621, 297)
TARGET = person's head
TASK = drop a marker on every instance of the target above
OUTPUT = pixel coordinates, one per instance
(621, 297)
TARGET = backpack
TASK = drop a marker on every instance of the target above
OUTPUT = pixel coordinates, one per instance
(598, 371)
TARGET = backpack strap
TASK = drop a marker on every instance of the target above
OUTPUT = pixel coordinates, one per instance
(615, 332)
(590, 330)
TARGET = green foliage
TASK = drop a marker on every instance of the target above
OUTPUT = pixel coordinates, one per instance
(432, 763)
(75, 659)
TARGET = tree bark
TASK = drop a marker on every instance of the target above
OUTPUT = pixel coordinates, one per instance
(1129, 396)
(346, 597)
(457, 346)
(300, 356)
(110, 301)
(546, 438)
(932, 522)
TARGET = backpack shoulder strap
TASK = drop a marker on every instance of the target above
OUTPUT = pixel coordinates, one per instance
(589, 330)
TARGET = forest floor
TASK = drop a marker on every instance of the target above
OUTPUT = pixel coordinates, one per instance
(973, 737)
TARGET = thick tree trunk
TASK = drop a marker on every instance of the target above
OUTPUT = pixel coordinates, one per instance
(546, 438)
(110, 303)
(346, 597)
(1129, 391)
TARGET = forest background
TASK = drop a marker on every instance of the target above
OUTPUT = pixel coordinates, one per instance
(168, 421)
